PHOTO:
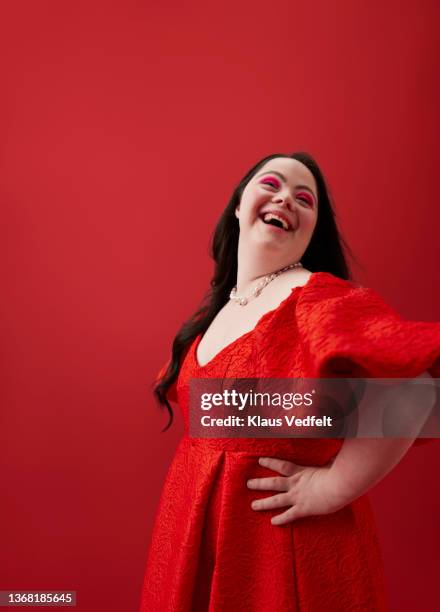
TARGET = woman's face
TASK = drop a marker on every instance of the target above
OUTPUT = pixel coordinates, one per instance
(286, 188)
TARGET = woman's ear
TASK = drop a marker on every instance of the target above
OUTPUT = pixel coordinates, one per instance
(236, 211)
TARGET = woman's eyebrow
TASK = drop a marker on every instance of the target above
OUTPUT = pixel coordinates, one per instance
(285, 180)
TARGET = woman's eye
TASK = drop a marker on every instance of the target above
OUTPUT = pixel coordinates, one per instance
(272, 182)
(305, 199)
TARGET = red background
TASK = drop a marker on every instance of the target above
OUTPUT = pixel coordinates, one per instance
(124, 127)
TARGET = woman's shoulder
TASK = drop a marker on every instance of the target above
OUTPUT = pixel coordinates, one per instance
(328, 292)
(323, 282)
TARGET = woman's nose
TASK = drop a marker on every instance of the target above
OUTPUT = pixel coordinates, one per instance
(285, 200)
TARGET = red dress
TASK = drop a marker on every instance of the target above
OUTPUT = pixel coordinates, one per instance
(210, 551)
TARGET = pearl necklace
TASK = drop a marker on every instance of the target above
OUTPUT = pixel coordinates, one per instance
(242, 301)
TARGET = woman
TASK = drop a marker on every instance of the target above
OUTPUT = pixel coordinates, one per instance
(279, 524)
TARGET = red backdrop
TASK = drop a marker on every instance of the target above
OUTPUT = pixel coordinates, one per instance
(125, 126)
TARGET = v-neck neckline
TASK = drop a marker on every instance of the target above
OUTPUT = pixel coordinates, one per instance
(263, 317)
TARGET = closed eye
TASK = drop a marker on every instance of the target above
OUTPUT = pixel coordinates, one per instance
(275, 184)
(272, 182)
(305, 199)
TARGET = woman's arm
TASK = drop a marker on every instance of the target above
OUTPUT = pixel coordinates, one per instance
(359, 465)
(363, 462)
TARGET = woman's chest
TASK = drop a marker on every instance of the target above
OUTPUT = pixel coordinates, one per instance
(270, 350)
(218, 337)
(232, 324)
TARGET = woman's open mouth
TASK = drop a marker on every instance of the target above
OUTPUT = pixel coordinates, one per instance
(274, 222)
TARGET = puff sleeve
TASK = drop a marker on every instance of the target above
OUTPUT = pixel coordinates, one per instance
(355, 333)
(352, 332)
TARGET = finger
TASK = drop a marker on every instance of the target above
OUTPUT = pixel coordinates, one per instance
(276, 501)
(273, 483)
(286, 517)
(287, 468)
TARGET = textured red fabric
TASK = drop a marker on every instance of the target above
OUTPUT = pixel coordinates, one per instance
(209, 550)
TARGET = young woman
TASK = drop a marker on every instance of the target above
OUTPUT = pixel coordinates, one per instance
(278, 524)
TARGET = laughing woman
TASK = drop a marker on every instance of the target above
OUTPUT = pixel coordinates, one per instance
(277, 524)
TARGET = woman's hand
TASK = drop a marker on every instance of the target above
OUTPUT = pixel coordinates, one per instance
(306, 490)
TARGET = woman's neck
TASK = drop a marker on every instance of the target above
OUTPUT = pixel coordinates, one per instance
(252, 267)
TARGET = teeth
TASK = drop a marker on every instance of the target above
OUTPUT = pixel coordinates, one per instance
(269, 216)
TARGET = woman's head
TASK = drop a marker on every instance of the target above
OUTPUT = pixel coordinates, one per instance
(298, 190)
(285, 188)
(304, 198)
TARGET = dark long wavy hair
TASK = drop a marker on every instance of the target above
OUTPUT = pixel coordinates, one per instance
(325, 253)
